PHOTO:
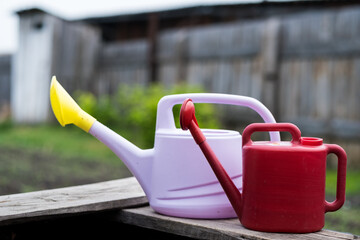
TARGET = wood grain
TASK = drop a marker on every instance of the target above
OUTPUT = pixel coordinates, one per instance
(125, 200)
(212, 229)
(25, 207)
(5, 76)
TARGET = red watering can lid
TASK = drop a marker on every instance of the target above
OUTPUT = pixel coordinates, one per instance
(311, 141)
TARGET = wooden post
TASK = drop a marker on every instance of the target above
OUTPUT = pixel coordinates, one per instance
(32, 67)
(181, 56)
(153, 23)
(5, 76)
(270, 57)
(49, 46)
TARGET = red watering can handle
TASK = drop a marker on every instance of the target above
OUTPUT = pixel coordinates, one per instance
(266, 127)
(341, 178)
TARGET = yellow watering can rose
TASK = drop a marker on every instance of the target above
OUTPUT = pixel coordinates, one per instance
(66, 110)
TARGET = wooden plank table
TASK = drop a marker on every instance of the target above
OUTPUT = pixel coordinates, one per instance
(116, 194)
(124, 202)
(212, 229)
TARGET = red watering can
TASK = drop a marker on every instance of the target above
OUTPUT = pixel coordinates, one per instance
(283, 182)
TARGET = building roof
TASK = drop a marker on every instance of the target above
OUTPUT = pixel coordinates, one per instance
(131, 26)
(240, 10)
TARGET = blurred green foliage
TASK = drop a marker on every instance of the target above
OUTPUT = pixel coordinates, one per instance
(132, 110)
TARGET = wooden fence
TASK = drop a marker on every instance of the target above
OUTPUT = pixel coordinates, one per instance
(305, 68)
(5, 76)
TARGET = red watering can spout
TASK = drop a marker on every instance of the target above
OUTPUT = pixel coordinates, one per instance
(188, 122)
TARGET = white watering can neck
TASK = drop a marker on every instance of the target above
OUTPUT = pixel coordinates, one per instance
(165, 117)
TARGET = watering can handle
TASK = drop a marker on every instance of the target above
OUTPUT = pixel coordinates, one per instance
(268, 127)
(341, 178)
(165, 117)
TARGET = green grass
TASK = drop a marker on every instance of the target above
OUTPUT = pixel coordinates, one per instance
(352, 182)
(344, 220)
(71, 142)
(49, 156)
(64, 142)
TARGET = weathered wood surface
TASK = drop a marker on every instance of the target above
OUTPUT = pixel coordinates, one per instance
(75, 55)
(50, 46)
(315, 55)
(212, 229)
(124, 199)
(124, 63)
(5, 73)
(25, 207)
(304, 67)
(29, 88)
(312, 58)
(5, 77)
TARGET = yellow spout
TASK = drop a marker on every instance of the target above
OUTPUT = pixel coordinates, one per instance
(66, 110)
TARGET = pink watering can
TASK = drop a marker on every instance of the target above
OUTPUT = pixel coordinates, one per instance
(174, 174)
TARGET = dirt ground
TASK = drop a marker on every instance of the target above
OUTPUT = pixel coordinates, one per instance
(24, 171)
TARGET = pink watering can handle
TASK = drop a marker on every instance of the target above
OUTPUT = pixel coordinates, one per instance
(165, 117)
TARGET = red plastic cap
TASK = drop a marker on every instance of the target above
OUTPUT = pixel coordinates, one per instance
(187, 114)
(188, 121)
(311, 141)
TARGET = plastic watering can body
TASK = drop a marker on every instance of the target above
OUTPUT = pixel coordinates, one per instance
(176, 182)
(283, 182)
(183, 184)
